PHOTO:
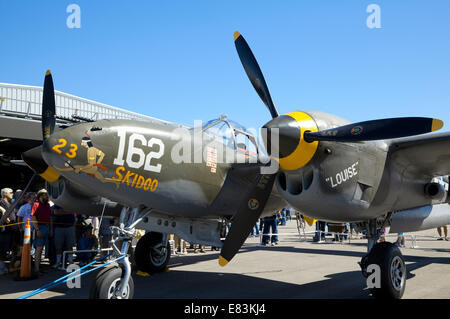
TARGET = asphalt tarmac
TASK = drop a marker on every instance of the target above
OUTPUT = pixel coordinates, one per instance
(292, 269)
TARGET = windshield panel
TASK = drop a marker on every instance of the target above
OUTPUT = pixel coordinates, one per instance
(221, 132)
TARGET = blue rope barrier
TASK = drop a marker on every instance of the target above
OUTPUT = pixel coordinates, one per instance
(61, 280)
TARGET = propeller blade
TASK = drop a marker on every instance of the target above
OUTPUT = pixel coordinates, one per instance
(254, 72)
(246, 217)
(377, 130)
(33, 157)
(48, 107)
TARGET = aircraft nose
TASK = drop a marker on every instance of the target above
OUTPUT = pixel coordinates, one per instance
(63, 146)
(34, 159)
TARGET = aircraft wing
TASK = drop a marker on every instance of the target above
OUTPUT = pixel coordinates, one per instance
(424, 156)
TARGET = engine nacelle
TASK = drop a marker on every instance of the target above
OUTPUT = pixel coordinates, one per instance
(435, 191)
(420, 218)
(71, 197)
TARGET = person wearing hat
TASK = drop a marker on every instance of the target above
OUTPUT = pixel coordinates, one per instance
(41, 216)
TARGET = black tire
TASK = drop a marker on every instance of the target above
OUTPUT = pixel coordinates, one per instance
(93, 291)
(108, 281)
(393, 270)
(148, 256)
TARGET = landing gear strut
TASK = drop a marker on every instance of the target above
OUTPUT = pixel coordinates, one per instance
(115, 282)
(387, 275)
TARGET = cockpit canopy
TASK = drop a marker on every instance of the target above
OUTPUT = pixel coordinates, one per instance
(232, 134)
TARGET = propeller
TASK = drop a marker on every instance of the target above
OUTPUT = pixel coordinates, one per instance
(33, 158)
(298, 134)
(298, 137)
(256, 198)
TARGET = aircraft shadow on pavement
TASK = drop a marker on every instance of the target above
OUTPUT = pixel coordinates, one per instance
(211, 285)
(413, 262)
(191, 284)
(191, 259)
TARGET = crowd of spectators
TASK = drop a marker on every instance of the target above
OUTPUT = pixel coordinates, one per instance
(53, 230)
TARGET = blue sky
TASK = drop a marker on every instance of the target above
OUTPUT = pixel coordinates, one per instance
(176, 60)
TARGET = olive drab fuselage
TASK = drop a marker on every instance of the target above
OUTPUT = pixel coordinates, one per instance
(131, 163)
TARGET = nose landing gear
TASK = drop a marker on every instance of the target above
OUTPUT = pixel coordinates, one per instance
(115, 282)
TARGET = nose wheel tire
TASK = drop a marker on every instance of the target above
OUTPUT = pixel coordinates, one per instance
(107, 285)
(392, 270)
(151, 255)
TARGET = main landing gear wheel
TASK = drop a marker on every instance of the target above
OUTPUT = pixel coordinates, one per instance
(151, 254)
(107, 284)
(392, 268)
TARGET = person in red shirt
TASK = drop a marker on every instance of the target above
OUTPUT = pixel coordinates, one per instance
(41, 217)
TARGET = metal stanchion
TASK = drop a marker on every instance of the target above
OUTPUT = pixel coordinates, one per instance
(413, 242)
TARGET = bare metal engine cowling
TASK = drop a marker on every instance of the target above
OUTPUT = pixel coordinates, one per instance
(420, 218)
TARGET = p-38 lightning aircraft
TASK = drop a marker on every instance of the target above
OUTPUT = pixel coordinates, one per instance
(372, 173)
